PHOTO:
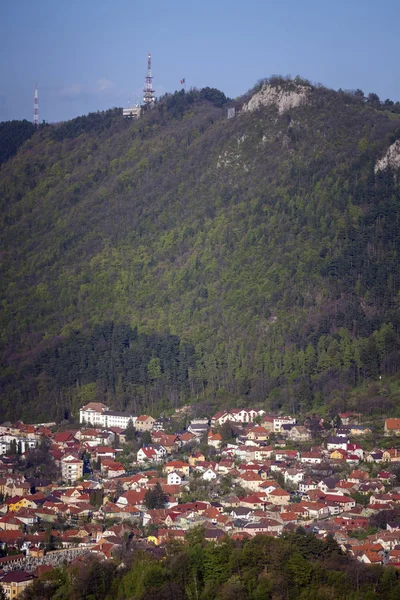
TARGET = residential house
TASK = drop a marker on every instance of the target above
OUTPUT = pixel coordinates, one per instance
(338, 454)
(17, 502)
(220, 418)
(26, 516)
(299, 433)
(336, 443)
(356, 450)
(103, 452)
(238, 415)
(293, 476)
(258, 434)
(198, 427)
(171, 443)
(279, 497)
(263, 453)
(253, 501)
(282, 455)
(278, 422)
(148, 454)
(328, 485)
(195, 458)
(214, 439)
(358, 476)
(268, 423)
(9, 522)
(386, 477)
(209, 474)
(112, 468)
(144, 423)
(250, 480)
(225, 465)
(187, 438)
(314, 510)
(15, 582)
(375, 456)
(353, 430)
(312, 458)
(178, 466)
(132, 497)
(264, 526)
(337, 504)
(391, 455)
(348, 418)
(307, 485)
(174, 478)
(392, 426)
(241, 512)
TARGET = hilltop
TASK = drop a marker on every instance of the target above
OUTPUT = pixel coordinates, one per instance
(187, 257)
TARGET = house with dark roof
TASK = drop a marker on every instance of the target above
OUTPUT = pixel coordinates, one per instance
(14, 583)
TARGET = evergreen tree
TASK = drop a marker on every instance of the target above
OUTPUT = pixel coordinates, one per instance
(155, 498)
(130, 433)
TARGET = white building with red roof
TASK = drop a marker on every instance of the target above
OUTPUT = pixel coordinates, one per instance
(99, 415)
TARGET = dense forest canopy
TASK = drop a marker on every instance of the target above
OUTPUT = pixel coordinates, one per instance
(12, 135)
(264, 568)
(187, 256)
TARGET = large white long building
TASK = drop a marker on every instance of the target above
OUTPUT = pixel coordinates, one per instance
(23, 443)
(99, 415)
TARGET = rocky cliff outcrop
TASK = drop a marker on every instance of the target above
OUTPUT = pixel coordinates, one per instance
(391, 159)
(283, 98)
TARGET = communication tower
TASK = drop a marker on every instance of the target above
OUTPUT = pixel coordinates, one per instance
(148, 98)
(36, 108)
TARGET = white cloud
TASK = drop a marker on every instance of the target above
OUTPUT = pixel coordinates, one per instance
(75, 89)
(104, 84)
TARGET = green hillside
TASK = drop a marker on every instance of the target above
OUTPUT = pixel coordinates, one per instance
(188, 257)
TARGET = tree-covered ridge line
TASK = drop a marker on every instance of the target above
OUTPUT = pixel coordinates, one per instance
(259, 240)
(263, 568)
(13, 134)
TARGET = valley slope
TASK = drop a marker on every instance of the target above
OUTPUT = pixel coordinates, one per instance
(187, 257)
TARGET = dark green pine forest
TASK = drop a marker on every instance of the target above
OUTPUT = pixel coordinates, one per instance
(191, 258)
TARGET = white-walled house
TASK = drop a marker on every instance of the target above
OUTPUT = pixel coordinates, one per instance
(337, 443)
(293, 476)
(307, 485)
(174, 478)
(311, 458)
(279, 421)
(238, 415)
(148, 454)
(209, 475)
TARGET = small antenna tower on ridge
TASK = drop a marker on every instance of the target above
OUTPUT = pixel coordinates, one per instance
(36, 108)
(148, 98)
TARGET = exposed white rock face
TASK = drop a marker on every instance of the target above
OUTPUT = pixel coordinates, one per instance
(391, 158)
(283, 99)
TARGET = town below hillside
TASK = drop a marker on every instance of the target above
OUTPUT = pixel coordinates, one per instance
(118, 484)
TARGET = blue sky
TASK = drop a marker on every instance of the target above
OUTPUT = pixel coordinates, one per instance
(91, 55)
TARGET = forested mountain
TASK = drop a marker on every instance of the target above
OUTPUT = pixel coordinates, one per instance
(190, 257)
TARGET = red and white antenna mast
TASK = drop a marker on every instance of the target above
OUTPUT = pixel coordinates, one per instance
(148, 98)
(36, 108)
